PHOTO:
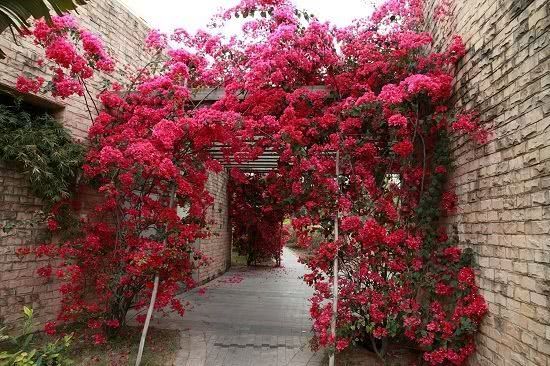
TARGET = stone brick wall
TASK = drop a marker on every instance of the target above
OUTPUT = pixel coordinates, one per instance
(220, 229)
(504, 186)
(123, 34)
(18, 284)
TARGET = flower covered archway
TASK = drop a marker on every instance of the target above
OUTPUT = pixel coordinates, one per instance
(383, 109)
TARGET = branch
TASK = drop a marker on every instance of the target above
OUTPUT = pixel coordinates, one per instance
(153, 294)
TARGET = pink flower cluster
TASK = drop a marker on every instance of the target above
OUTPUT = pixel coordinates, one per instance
(29, 85)
(73, 61)
(403, 148)
(156, 40)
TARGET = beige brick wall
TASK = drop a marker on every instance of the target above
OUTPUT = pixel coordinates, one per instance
(18, 285)
(123, 34)
(218, 246)
(504, 186)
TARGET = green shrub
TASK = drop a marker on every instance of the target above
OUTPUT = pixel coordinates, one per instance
(23, 350)
(43, 148)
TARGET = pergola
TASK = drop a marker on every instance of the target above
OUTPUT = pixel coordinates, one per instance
(263, 164)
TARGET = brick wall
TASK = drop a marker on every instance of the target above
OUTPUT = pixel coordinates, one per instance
(504, 186)
(123, 34)
(18, 285)
(218, 246)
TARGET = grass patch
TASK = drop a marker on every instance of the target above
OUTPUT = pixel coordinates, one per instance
(160, 349)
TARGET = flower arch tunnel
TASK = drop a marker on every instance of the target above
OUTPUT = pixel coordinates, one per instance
(384, 108)
(256, 233)
(267, 162)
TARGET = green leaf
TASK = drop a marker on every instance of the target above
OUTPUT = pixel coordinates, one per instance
(28, 311)
(27, 341)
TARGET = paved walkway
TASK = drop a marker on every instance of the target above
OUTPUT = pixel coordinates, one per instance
(248, 316)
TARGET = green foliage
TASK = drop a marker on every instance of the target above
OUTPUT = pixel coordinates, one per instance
(428, 210)
(22, 350)
(37, 219)
(43, 148)
(14, 14)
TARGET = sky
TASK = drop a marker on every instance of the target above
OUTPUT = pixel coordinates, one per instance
(192, 15)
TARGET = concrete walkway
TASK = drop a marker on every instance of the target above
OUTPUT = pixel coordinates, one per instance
(248, 316)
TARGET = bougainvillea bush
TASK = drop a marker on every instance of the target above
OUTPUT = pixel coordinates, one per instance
(377, 94)
(374, 93)
(257, 230)
(148, 160)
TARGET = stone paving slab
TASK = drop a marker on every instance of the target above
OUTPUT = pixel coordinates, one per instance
(247, 317)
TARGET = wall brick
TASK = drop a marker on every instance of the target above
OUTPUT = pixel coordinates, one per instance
(503, 185)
